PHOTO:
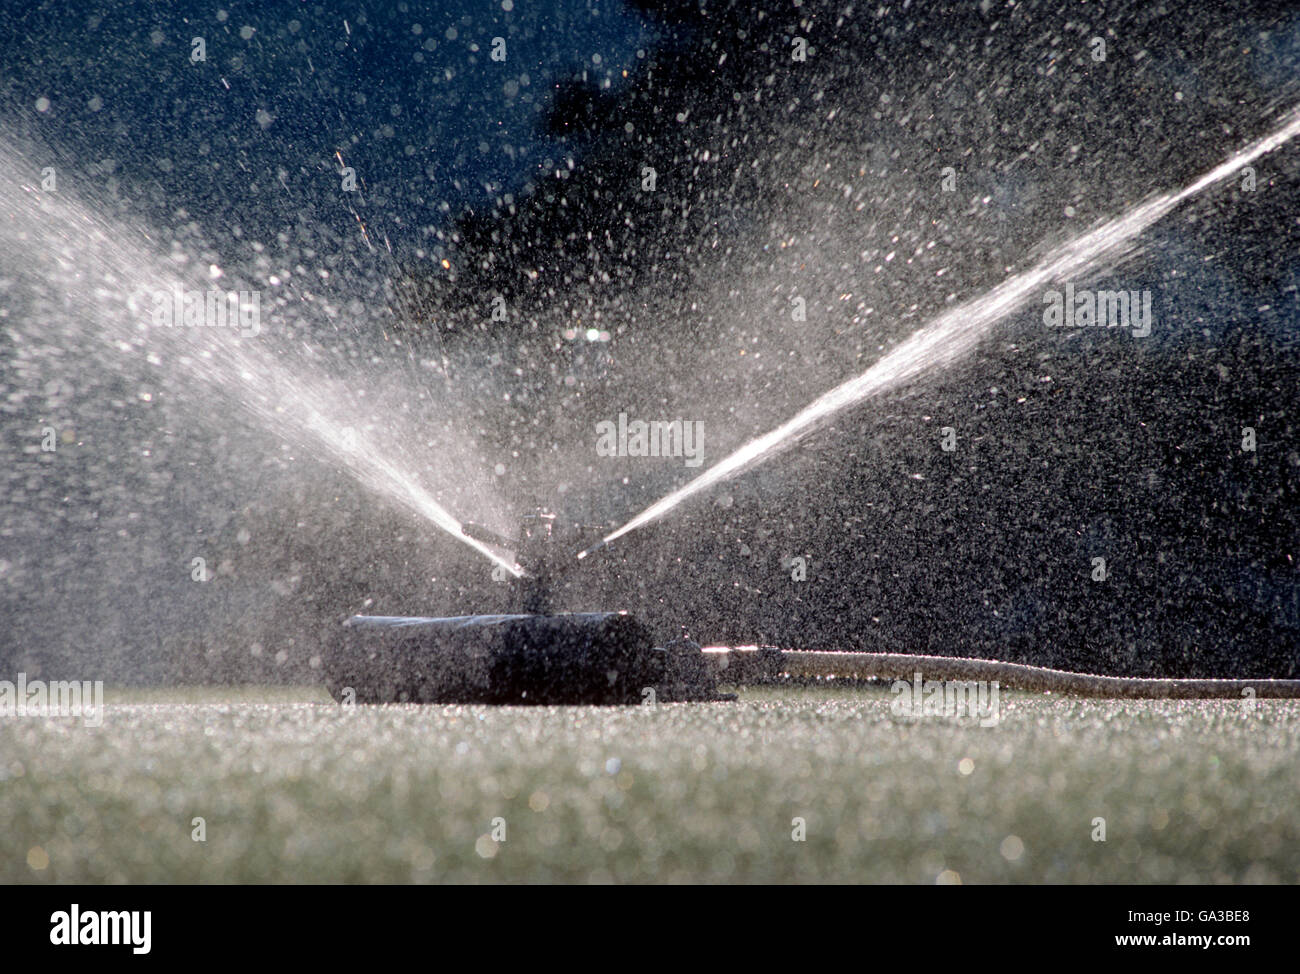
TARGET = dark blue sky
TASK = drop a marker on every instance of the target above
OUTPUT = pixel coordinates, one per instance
(405, 92)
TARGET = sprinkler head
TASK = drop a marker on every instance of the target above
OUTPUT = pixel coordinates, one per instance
(537, 555)
(533, 656)
(574, 658)
(541, 550)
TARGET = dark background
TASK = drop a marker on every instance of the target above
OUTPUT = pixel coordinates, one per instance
(774, 179)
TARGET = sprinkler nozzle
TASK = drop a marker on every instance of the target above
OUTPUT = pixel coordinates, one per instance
(592, 550)
(481, 532)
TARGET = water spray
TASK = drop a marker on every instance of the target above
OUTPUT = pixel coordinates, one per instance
(55, 235)
(956, 332)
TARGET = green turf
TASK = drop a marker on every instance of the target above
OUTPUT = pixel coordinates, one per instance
(311, 792)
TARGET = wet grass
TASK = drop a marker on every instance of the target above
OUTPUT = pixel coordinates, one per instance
(293, 788)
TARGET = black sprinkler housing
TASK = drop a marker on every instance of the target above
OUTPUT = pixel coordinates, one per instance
(570, 658)
(532, 656)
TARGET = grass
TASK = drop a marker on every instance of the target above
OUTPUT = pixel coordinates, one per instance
(294, 788)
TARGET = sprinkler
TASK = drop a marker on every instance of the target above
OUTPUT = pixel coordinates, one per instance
(532, 655)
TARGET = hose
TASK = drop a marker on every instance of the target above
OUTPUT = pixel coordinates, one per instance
(754, 664)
